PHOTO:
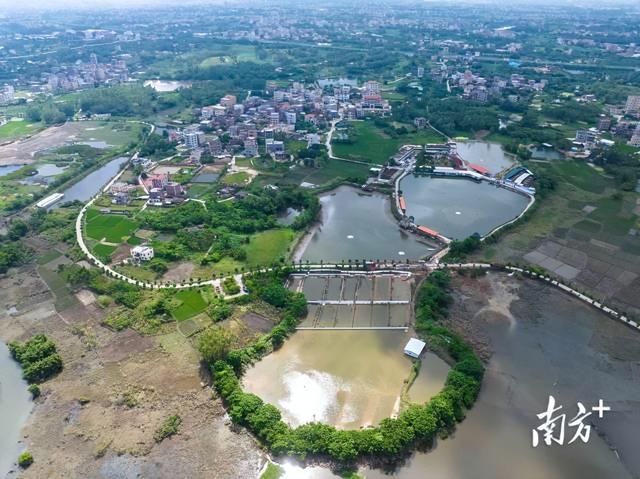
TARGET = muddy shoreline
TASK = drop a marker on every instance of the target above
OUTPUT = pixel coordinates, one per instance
(549, 343)
(98, 417)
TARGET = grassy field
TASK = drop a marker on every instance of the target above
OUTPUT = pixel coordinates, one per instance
(273, 471)
(136, 272)
(215, 60)
(332, 170)
(113, 228)
(268, 246)
(17, 129)
(48, 256)
(64, 297)
(112, 133)
(103, 251)
(239, 178)
(192, 303)
(370, 144)
(294, 146)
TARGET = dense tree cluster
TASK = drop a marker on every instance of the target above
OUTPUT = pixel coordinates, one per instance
(621, 162)
(221, 229)
(122, 100)
(122, 292)
(49, 113)
(418, 425)
(38, 357)
(157, 147)
(459, 249)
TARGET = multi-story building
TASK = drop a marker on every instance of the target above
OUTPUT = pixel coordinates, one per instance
(193, 139)
(159, 181)
(371, 88)
(174, 190)
(632, 107)
(215, 147)
(290, 117)
(420, 122)
(250, 147)
(635, 138)
(479, 94)
(228, 101)
(604, 123)
(7, 94)
(586, 137)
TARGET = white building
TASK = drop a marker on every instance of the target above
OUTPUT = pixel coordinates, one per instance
(414, 348)
(142, 253)
(192, 139)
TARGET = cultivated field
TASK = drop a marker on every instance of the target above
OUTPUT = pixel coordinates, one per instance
(370, 144)
(111, 228)
(584, 232)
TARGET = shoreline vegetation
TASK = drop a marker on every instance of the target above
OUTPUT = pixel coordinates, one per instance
(38, 358)
(417, 426)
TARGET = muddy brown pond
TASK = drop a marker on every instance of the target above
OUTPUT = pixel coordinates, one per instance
(543, 343)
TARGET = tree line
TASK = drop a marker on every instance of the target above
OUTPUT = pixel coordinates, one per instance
(416, 426)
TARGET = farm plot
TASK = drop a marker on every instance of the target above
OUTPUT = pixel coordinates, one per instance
(191, 303)
(111, 228)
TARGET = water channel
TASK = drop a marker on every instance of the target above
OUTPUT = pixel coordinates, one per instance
(15, 406)
(6, 169)
(88, 186)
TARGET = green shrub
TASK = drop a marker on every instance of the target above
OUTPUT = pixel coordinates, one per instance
(25, 459)
(38, 358)
(168, 428)
(34, 389)
(230, 286)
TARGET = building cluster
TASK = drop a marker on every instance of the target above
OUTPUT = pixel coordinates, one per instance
(630, 50)
(261, 124)
(7, 94)
(163, 191)
(622, 122)
(478, 88)
(82, 75)
(121, 192)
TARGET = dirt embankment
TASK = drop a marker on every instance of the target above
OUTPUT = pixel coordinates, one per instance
(98, 417)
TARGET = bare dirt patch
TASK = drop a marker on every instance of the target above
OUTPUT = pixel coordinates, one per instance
(178, 273)
(98, 417)
(22, 152)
